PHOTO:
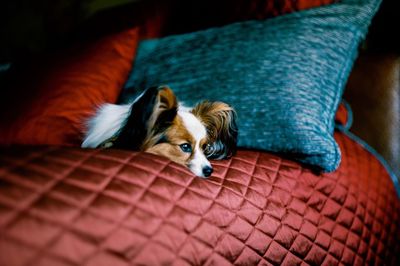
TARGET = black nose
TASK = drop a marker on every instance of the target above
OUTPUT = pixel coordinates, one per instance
(207, 171)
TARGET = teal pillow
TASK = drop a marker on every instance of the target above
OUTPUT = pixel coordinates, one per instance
(284, 76)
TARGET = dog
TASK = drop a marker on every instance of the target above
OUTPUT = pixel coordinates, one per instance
(157, 123)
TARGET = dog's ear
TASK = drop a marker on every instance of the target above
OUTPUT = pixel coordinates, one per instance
(153, 109)
(220, 122)
(165, 110)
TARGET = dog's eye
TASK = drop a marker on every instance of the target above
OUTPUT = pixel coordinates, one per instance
(186, 147)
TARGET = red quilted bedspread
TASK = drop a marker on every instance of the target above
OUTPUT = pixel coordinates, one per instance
(68, 206)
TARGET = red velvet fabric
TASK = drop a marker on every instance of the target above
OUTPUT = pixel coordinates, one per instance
(342, 115)
(53, 108)
(69, 206)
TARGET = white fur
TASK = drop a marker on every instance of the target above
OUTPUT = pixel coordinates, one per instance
(183, 108)
(199, 132)
(105, 124)
(193, 125)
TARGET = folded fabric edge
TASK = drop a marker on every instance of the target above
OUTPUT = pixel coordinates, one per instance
(377, 155)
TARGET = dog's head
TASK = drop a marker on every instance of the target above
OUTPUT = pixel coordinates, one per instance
(157, 124)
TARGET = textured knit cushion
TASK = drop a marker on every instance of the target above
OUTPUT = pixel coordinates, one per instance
(284, 76)
(66, 91)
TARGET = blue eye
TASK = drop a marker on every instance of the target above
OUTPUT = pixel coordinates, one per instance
(186, 147)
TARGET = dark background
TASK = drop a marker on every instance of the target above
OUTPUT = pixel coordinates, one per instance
(34, 27)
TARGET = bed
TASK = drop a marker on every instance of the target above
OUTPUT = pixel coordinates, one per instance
(64, 205)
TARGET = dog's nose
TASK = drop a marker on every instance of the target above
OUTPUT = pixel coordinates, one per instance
(207, 171)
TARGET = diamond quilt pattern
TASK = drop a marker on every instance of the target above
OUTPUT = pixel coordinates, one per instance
(69, 206)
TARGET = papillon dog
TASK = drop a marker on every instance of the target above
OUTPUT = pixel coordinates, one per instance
(157, 123)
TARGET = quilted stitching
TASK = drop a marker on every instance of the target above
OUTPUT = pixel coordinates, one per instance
(67, 206)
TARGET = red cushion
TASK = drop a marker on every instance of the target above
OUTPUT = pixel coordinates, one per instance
(68, 91)
(71, 206)
(265, 8)
(342, 115)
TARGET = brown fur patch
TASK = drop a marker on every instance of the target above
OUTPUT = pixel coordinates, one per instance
(176, 135)
(167, 98)
(220, 122)
(215, 115)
